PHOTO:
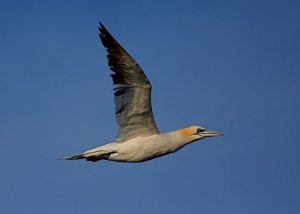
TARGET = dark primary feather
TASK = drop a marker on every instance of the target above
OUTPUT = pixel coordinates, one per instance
(132, 91)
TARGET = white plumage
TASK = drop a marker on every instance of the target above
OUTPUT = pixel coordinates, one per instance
(139, 138)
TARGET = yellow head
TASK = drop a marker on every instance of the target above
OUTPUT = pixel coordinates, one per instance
(193, 133)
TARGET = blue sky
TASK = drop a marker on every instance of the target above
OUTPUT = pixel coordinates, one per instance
(231, 66)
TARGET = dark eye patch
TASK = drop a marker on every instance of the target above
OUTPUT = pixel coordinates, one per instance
(199, 130)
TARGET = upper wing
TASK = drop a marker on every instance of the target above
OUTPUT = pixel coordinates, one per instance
(132, 91)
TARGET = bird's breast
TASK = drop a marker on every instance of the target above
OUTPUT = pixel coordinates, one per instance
(141, 149)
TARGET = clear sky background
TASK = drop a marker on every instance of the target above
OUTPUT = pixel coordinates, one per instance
(231, 66)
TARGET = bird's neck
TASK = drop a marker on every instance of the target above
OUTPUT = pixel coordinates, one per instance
(182, 137)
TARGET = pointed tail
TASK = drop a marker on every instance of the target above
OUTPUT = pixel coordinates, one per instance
(91, 156)
(74, 157)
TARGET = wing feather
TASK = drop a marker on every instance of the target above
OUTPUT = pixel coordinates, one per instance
(132, 91)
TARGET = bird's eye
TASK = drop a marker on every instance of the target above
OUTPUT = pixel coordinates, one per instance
(199, 130)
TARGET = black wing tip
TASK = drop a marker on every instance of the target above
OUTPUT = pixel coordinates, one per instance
(107, 39)
(103, 32)
(102, 29)
(101, 25)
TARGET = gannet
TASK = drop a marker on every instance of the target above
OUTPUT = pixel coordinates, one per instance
(139, 138)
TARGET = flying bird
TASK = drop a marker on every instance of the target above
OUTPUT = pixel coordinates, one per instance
(139, 138)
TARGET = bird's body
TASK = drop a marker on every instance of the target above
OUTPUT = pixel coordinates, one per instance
(139, 149)
(139, 138)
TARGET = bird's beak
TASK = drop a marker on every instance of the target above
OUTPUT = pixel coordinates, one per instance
(209, 133)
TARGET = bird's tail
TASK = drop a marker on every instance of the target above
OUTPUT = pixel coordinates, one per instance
(91, 155)
(74, 157)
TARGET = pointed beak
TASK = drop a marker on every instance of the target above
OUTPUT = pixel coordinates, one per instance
(209, 133)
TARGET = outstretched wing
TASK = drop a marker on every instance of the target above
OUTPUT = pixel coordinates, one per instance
(132, 91)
